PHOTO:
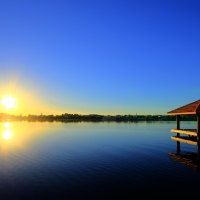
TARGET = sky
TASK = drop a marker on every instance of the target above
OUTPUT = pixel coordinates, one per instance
(99, 56)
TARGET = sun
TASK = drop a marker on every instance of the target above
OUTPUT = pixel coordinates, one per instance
(8, 102)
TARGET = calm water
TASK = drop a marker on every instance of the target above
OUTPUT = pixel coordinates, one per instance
(93, 161)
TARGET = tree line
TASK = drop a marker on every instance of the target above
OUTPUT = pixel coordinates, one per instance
(66, 117)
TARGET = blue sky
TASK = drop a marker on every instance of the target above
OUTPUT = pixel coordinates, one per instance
(100, 56)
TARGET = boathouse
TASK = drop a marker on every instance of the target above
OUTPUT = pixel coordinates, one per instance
(190, 136)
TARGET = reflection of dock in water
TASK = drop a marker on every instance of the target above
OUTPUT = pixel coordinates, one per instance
(189, 136)
(189, 159)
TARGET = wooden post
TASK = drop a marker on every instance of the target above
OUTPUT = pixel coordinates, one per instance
(198, 136)
(178, 145)
(198, 126)
(177, 122)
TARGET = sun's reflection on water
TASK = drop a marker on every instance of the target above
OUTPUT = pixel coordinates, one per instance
(21, 135)
(7, 125)
(7, 133)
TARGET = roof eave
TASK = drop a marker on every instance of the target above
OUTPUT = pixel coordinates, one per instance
(183, 113)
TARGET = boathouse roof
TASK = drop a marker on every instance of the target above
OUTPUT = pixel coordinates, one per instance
(188, 109)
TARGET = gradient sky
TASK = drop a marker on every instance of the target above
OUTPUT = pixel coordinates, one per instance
(100, 56)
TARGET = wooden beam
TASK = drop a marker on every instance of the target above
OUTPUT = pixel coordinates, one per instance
(182, 113)
(185, 140)
(192, 132)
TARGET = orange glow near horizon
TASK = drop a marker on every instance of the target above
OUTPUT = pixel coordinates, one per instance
(16, 100)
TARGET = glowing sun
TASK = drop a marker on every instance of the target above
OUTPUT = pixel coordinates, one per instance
(8, 102)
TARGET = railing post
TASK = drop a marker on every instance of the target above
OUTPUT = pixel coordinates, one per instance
(198, 135)
(178, 145)
(198, 126)
(177, 122)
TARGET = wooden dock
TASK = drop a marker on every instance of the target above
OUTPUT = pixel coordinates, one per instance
(188, 136)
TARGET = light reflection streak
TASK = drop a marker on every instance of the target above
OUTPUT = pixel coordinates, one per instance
(7, 133)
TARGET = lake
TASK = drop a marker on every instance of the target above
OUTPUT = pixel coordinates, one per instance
(45, 160)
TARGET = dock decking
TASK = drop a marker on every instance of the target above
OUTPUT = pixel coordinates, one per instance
(191, 132)
(185, 139)
(191, 137)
